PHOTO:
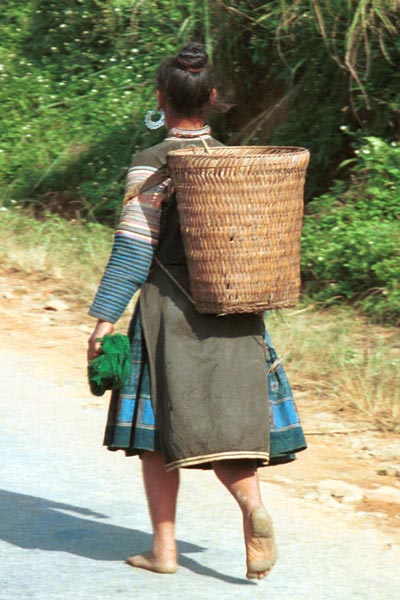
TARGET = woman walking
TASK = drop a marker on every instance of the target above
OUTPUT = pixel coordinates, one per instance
(204, 391)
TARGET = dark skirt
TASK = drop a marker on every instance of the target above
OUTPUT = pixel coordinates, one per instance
(202, 387)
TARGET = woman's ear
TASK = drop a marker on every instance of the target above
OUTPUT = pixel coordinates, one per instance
(213, 96)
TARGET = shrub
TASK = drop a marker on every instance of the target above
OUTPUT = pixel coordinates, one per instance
(351, 235)
(76, 81)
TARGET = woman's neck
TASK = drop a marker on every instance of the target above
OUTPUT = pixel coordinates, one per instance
(189, 123)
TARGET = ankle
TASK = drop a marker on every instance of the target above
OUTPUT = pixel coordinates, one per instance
(164, 547)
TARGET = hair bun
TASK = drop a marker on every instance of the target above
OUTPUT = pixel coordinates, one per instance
(192, 57)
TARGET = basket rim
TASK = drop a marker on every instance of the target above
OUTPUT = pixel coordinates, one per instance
(238, 152)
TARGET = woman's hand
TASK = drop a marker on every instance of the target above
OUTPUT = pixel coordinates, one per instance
(102, 328)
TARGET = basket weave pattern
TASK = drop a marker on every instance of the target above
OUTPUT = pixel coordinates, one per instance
(240, 210)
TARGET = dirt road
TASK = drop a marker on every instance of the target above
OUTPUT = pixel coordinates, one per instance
(71, 511)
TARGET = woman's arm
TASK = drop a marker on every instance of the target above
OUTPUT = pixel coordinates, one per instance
(132, 254)
(134, 243)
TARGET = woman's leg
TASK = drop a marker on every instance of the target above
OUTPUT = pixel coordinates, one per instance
(241, 479)
(162, 491)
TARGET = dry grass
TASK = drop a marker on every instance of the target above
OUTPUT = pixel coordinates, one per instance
(344, 359)
(72, 251)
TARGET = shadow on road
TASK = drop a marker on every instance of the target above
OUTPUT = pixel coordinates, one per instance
(32, 522)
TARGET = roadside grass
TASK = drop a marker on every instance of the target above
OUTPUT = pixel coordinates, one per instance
(333, 353)
(336, 355)
(74, 252)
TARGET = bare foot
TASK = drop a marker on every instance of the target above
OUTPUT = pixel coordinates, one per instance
(148, 561)
(261, 551)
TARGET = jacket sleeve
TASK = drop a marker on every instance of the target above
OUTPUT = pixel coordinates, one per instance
(135, 240)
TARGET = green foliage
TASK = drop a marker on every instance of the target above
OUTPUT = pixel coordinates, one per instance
(77, 74)
(351, 235)
(76, 81)
(304, 69)
(77, 77)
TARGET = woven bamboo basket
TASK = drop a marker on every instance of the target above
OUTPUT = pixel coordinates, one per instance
(240, 210)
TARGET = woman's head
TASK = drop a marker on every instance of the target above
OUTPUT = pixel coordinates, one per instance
(186, 81)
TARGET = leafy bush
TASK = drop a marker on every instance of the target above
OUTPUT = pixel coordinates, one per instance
(77, 77)
(351, 235)
(76, 80)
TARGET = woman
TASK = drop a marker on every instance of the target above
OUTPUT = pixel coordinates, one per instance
(199, 384)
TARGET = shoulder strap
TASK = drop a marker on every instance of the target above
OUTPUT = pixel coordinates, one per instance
(161, 175)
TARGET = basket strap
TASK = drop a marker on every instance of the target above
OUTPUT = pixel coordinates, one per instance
(160, 176)
(188, 296)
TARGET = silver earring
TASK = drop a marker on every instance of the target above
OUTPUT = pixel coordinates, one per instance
(150, 122)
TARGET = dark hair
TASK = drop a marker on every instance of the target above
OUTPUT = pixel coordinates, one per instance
(187, 80)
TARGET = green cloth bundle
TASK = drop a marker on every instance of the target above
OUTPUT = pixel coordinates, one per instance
(110, 370)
